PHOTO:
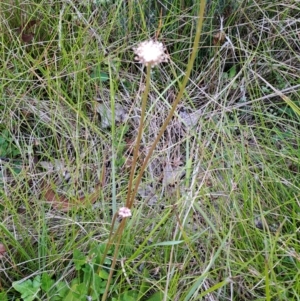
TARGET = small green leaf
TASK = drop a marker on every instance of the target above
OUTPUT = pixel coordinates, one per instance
(232, 72)
(81, 289)
(158, 296)
(100, 75)
(28, 288)
(107, 261)
(79, 259)
(87, 273)
(129, 296)
(103, 274)
(77, 292)
(3, 296)
(46, 282)
(62, 289)
(97, 286)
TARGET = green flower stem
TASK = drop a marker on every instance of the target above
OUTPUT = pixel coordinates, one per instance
(115, 256)
(176, 102)
(130, 197)
(128, 204)
(110, 240)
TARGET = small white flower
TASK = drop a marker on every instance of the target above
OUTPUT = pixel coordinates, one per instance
(124, 212)
(150, 53)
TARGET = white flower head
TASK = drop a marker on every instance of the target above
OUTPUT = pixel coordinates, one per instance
(124, 212)
(150, 53)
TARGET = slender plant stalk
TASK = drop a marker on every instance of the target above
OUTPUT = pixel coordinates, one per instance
(110, 240)
(176, 102)
(128, 204)
(115, 256)
(138, 141)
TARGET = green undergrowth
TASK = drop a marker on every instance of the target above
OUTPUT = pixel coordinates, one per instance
(217, 215)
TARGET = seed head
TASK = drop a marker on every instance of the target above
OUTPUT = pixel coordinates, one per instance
(150, 53)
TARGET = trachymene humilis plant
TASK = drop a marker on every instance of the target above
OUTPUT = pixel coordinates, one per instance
(150, 53)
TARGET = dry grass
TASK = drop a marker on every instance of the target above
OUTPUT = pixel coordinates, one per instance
(217, 215)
